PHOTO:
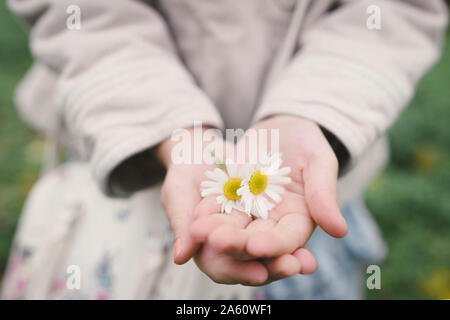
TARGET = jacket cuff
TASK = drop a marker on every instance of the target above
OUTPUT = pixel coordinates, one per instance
(354, 103)
(330, 121)
(128, 103)
(341, 152)
(125, 162)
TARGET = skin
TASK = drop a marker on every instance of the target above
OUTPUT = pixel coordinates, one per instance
(238, 249)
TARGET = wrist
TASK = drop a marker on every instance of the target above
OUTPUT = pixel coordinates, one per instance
(281, 120)
(164, 149)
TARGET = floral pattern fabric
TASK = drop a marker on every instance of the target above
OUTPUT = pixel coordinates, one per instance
(121, 248)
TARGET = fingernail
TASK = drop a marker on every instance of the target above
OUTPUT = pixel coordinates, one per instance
(176, 248)
(344, 226)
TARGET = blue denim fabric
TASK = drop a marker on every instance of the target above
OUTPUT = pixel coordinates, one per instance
(342, 262)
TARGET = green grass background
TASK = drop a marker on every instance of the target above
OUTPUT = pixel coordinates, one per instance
(410, 199)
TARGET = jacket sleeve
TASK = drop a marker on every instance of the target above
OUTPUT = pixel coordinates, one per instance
(120, 88)
(353, 80)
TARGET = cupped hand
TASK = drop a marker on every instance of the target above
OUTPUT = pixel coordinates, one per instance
(224, 257)
(180, 196)
(310, 199)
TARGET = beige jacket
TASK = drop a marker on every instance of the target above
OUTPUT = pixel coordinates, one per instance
(137, 70)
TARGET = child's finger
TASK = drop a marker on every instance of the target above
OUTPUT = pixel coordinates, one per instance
(307, 260)
(292, 231)
(230, 240)
(203, 226)
(234, 242)
(224, 269)
(180, 212)
(283, 266)
(260, 225)
(291, 203)
(320, 176)
(206, 207)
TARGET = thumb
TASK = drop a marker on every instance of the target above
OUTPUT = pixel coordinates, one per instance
(180, 212)
(320, 178)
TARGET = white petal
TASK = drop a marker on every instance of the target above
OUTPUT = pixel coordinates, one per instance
(222, 176)
(243, 190)
(222, 208)
(259, 207)
(262, 207)
(265, 207)
(220, 199)
(273, 195)
(248, 202)
(229, 206)
(275, 163)
(269, 205)
(239, 205)
(210, 191)
(276, 188)
(279, 180)
(208, 184)
(212, 175)
(245, 182)
(255, 211)
(284, 171)
(264, 212)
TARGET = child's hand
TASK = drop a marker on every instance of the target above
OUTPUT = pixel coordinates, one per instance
(311, 197)
(233, 243)
(314, 169)
(180, 194)
(223, 256)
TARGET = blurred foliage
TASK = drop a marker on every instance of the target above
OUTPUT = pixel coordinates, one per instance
(18, 170)
(410, 199)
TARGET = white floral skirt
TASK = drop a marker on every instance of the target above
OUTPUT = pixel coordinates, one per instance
(74, 243)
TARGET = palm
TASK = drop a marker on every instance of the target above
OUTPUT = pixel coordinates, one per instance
(309, 199)
(288, 227)
(237, 240)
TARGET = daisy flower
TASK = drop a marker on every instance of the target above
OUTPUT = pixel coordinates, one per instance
(225, 184)
(263, 183)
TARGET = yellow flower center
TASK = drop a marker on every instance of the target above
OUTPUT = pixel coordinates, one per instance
(258, 182)
(231, 187)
